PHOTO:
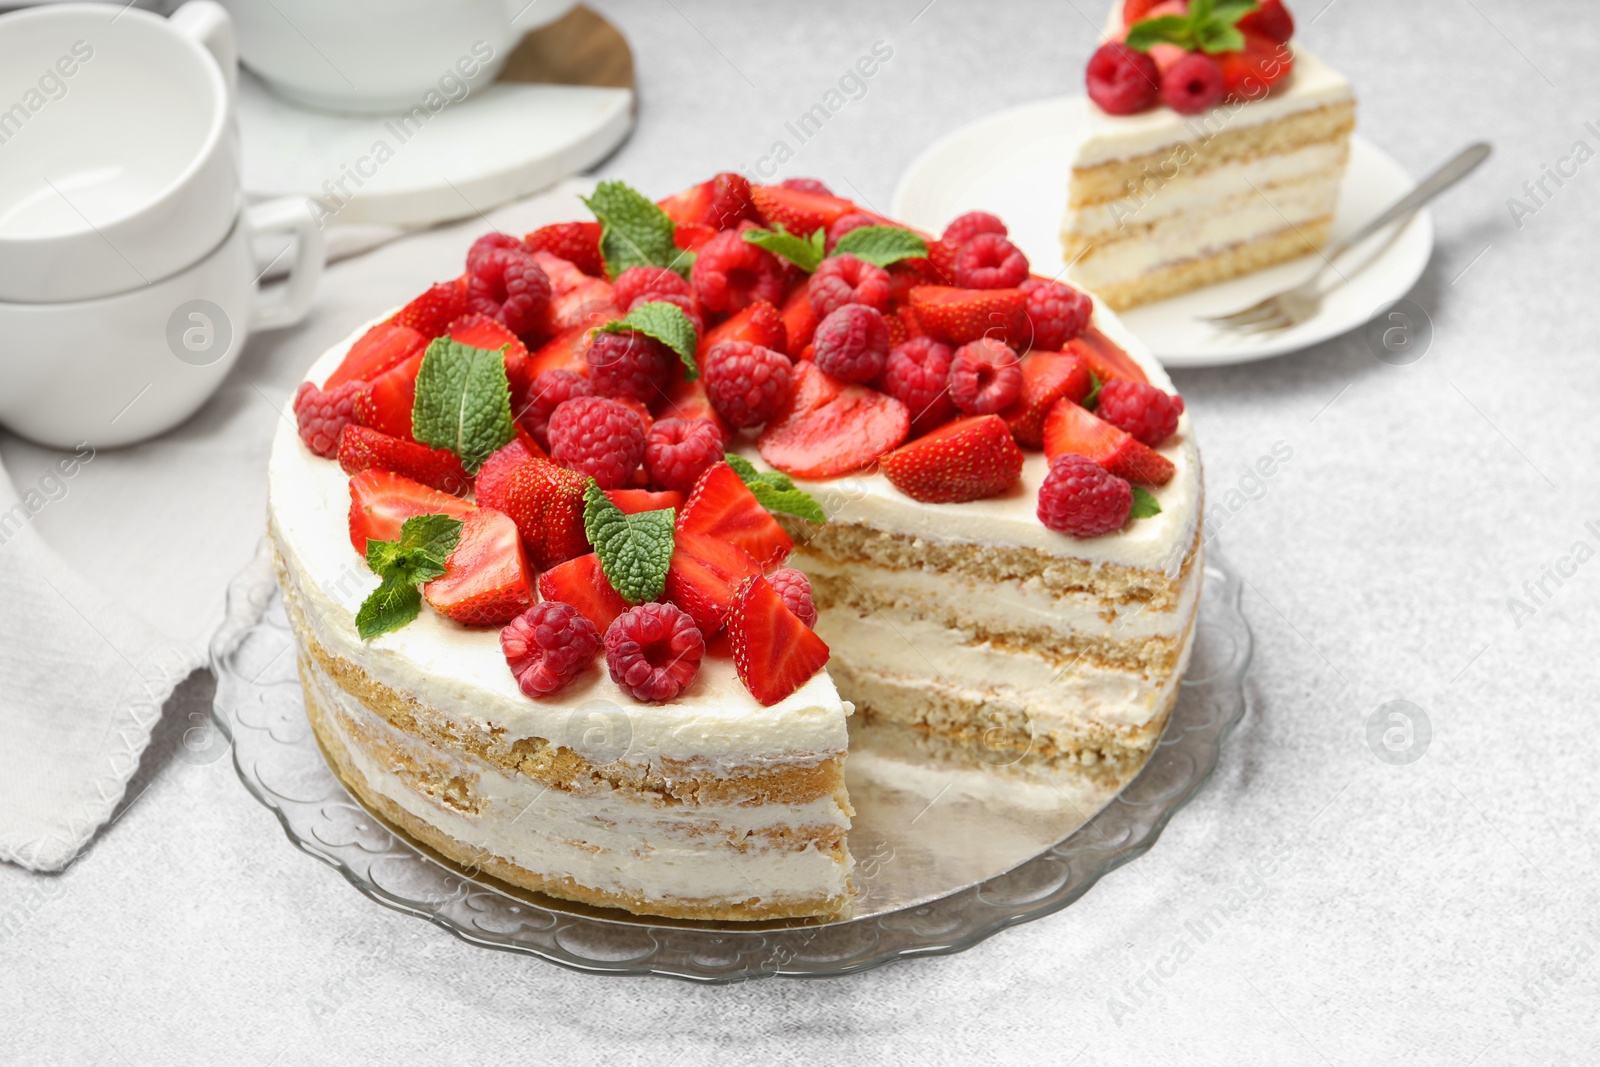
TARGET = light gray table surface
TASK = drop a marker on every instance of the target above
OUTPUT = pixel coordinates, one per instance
(1313, 905)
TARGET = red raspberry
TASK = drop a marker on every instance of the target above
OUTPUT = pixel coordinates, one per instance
(1081, 498)
(989, 261)
(1193, 84)
(844, 224)
(636, 282)
(918, 375)
(322, 415)
(745, 382)
(548, 391)
(844, 279)
(629, 365)
(1057, 312)
(598, 437)
(678, 451)
(547, 646)
(852, 343)
(730, 200)
(508, 285)
(795, 589)
(730, 273)
(654, 651)
(985, 377)
(806, 185)
(1122, 81)
(965, 227)
(690, 308)
(489, 242)
(1142, 410)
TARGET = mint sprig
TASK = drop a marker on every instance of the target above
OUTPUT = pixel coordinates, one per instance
(881, 245)
(635, 550)
(668, 324)
(1145, 504)
(418, 555)
(1210, 26)
(776, 491)
(634, 232)
(804, 252)
(1091, 399)
(463, 401)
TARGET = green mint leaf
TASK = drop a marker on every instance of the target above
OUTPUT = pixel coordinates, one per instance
(634, 232)
(1200, 9)
(1092, 399)
(1144, 504)
(1168, 29)
(463, 402)
(775, 491)
(1214, 37)
(666, 323)
(391, 606)
(634, 550)
(804, 252)
(427, 541)
(882, 245)
(1231, 11)
(419, 554)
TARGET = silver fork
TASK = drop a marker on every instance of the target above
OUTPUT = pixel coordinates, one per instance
(1297, 304)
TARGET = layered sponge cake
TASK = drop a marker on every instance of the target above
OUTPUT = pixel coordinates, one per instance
(592, 555)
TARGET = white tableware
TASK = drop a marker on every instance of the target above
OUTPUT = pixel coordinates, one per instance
(122, 368)
(119, 160)
(1016, 164)
(377, 56)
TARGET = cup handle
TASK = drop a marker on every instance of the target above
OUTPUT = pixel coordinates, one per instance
(207, 22)
(292, 216)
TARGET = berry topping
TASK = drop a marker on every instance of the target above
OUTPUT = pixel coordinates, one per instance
(688, 400)
(1081, 498)
(800, 211)
(830, 427)
(844, 224)
(576, 242)
(799, 321)
(321, 415)
(759, 324)
(985, 377)
(548, 646)
(964, 228)
(582, 583)
(1046, 378)
(387, 401)
(1122, 81)
(629, 365)
(654, 651)
(774, 651)
(678, 451)
(386, 345)
(633, 501)
(1057, 313)
(844, 279)
(509, 286)
(486, 580)
(1271, 20)
(968, 459)
(989, 261)
(918, 375)
(361, 448)
(636, 282)
(1105, 357)
(546, 503)
(491, 477)
(806, 185)
(730, 273)
(1192, 84)
(544, 394)
(795, 589)
(435, 309)
(493, 242)
(746, 383)
(705, 575)
(730, 201)
(575, 298)
(962, 315)
(598, 437)
(723, 507)
(1250, 74)
(852, 343)
(381, 502)
(1069, 428)
(1144, 411)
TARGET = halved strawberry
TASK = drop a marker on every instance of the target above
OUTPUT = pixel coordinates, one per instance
(962, 315)
(385, 404)
(546, 503)
(1136, 10)
(582, 583)
(633, 501)
(722, 506)
(1250, 74)
(1105, 357)
(774, 652)
(381, 501)
(688, 400)
(576, 242)
(968, 459)
(1271, 20)
(385, 345)
(564, 351)
(704, 577)
(362, 448)
(1070, 428)
(492, 475)
(692, 236)
(799, 321)
(797, 211)
(1046, 378)
(575, 298)
(432, 312)
(690, 206)
(759, 324)
(827, 427)
(486, 580)
(480, 331)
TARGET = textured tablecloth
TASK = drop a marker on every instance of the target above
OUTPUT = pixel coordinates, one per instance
(1314, 905)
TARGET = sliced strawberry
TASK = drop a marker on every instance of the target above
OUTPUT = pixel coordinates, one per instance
(795, 210)
(385, 404)
(432, 312)
(774, 652)
(564, 351)
(759, 324)
(722, 506)
(688, 400)
(1250, 74)
(692, 236)
(362, 448)
(704, 577)
(1271, 20)
(492, 475)
(381, 501)
(633, 501)
(799, 321)
(576, 242)
(689, 207)
(1046, 378)
(827, 427)
(546, 503)
(1137, 10)
(575, 298)
(480, 331)
(386, 345)
(1105, 357)
(581, 583)
(968, 459)
(486, 580)
(1070, 428)
(962, 315)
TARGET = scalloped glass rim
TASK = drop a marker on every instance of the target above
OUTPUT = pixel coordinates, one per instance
(326, 823)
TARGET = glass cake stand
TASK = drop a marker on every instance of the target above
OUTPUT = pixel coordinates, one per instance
(946, 855)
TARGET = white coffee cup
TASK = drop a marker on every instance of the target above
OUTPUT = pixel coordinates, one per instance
(119, 158)
(122, 368)
(376, 56)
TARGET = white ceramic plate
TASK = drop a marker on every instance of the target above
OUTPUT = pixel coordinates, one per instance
(1015, 164)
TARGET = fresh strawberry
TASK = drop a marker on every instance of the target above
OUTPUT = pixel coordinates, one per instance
(362, 448)
(705, 575)
(968, 459)
(381, 501)
(799, 321)
(1105, 357)
(576, 242)
(633, 501)
(692, 206)
(492, 475)
(1137, 10)
(722, 506)
(759, 324)
(433, 311)
(692, 236)
(1250, 73)
(385, 404)
(546, 503)
(575, 298)
(486, 581)
(1271, 20)
(564, 351)
(1046, 378)
(774, 652)
(797, 211)
(480, 331)
(386, 345)
(962, 315)
(828, 428)
(581, 583)
(1070, 428)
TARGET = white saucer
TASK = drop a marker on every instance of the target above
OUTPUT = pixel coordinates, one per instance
(1016, 163)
